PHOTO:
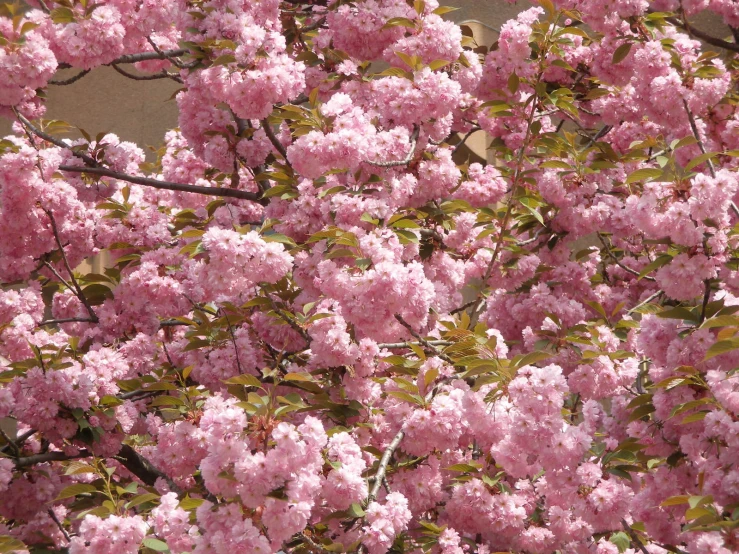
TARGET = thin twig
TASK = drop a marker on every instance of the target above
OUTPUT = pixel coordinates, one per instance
(55, 141)
(391, 345)
(274, 140)
(58, 275)
(294, 324)
(11, 443)
(19, 440)
(464, 139)
(71, 80)
(647, 301)
(156, 55)
(77, 288)
(55, 519)
(65, 319)
(634, 537)
(382, 466)
(697, 136)
(233, 340)
(422, 340)
(408, 157)
(710, 39)
(49, 457)
(164, 185)
(161, 75)
(618, 262)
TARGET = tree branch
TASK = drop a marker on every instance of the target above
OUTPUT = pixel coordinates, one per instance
(75, 284)
(422, 340)
(274, 140)
(156, 55)
(53, 140)
(390, 345)
(49, 457)
(382, 467)
(165, 185)
(697, 136)
(161, 75)
(634, 537)
(71, 79)
(705, 37)
(66, 320)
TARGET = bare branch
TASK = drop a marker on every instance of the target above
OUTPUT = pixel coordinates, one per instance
(165, 185)
(273, 139)
(55, 519)
(645, 302)
(53, 140)
(161, 75)
(391, 345)
(382, 467)
(71, 79)
(705, 37)
(49, 457)
(156, 55)
(464, 139)
(634, 537)
(66, 320)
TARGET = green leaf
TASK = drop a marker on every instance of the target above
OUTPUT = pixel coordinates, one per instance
(402, 395)
(661, 260)
(355, 510)
(675, 500)
(245, 380)
(62, 15)
(531, 358)
(10, 544)
(188, 503)
(513, 83)
(721, 321)
(621, 540)
(141, 499)
(721, 347)
(167, 401)
(643, 175)
(399, 22)
(467, 468)
(694, 501)
(438, 64)
(620, 53)
(441, 10)
(74, 490)
(76, 468)
(699, 160)
(156, 544)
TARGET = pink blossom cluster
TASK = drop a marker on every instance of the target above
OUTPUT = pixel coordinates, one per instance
(321, 321)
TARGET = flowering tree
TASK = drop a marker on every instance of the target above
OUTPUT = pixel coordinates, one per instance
(322, 328)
